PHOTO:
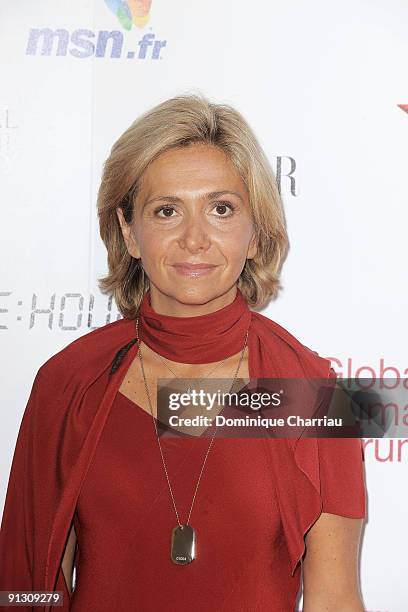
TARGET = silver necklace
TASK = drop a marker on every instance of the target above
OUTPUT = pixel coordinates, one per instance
(183, 540)
(189, 390)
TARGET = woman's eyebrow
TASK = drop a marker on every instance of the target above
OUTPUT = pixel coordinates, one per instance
(175, 199)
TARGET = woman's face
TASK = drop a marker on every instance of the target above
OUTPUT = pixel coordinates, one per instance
(192, 208)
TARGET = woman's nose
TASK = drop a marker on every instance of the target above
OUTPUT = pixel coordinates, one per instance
(194, 234)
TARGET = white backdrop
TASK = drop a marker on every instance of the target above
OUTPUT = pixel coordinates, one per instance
(320, 83)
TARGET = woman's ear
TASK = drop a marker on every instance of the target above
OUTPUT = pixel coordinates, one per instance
(128, 237)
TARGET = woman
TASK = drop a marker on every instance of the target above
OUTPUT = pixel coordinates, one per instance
(194, 228)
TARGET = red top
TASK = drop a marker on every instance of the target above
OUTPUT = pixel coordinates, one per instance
(125, 516)
(80, 448)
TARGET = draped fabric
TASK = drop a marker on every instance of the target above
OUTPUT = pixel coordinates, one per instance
(69, 404)
(198, 339)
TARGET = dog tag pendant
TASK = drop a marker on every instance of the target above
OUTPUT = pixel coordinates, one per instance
(183, 544)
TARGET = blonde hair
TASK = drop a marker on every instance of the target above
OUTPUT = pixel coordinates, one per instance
(179, 122)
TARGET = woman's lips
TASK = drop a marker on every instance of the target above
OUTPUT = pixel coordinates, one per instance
(193, 270)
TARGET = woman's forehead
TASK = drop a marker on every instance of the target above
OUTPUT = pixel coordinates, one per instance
(194, 167)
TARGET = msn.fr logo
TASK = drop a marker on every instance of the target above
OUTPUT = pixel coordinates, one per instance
(84, 43)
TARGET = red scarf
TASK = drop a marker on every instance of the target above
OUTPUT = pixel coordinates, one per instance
(200, 339)
(273, 351)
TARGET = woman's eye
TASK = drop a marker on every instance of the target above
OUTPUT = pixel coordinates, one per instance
(224, 207)
(167, 210)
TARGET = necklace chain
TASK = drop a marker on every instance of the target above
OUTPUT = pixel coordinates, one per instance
(157, 433)
(200, 379)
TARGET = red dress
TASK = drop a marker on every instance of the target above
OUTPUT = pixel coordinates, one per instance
(124, 518)
(86, 453)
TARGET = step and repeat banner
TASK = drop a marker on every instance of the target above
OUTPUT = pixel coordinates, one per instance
(324, 87)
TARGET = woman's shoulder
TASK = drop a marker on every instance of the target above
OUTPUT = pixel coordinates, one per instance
(93, 351)
(288, 345)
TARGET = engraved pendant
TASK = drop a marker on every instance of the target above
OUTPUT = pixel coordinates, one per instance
(183, 544)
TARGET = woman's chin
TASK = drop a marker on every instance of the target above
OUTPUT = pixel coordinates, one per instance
(189, 293)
